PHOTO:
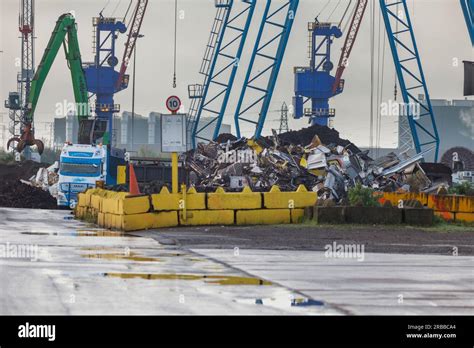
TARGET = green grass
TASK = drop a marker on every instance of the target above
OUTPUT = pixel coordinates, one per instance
(439, 225)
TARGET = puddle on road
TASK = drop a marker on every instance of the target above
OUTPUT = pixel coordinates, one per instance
(79, 233)
(99, 233)
(210, 279)
(40, 233)
(283, 299)
(305, 302)
(122, 256)
(195, 259)
(103, 248)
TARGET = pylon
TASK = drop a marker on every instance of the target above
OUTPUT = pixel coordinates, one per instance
(133, 183)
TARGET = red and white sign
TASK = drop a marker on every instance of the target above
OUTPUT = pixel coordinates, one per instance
(173, 104)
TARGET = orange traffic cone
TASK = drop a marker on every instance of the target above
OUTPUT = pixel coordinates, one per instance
(133, 184)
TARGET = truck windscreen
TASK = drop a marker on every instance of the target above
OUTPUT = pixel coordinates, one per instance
(78, 169)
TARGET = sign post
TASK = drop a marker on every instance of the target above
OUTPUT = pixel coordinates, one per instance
(172, 137)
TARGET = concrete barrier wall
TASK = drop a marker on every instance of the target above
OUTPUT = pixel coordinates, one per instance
(448, 207)
(118, 210)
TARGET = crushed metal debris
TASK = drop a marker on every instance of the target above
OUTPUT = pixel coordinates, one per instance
(315, 157)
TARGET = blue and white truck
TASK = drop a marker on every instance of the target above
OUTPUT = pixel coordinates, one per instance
(80, 168)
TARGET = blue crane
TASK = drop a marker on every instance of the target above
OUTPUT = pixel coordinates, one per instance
(219, 67)
(103, 80)
(411, 77)
(264, 67)
(468, 11)
(315, 83)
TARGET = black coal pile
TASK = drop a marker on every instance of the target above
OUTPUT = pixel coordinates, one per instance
(325, 134)
(15, 194)
(315, 157)
(20, 195)
(19, 171)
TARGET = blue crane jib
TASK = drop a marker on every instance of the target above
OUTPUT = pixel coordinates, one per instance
(468, 11)
(411, 77)
(264, 66)
(315, 83)
(219, 67)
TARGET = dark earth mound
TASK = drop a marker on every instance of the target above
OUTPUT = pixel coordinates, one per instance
(326, 135)
(14, 194)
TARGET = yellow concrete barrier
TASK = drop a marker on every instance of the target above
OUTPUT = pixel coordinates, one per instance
(96, 202)
(466, 217)
(395, 197)
(206, 217)
(148, 221)
(221, 200)
(111, 201)
(263, 217)
(84, 199)
(101, 219)
(175, 201)
(134, 205)
(275, 199)
(138, 221)
(454, 203)
(297, 216)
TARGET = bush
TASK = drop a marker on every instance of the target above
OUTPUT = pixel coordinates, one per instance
(50, 155)
(465, 188)
(6, 157)
(363, 197)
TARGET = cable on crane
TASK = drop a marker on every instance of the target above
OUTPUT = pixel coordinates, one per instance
(349, 19)
(345, 13)
(175, 41)
(324, 7)
(126, 13)
(105, 6)
(334, 10)
(116, 7)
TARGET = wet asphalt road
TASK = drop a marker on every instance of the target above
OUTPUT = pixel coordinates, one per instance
(78, 268)
(397, 239)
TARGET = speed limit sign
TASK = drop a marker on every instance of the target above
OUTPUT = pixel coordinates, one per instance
(173, 104)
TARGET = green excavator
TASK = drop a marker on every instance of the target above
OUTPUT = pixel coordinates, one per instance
(64, 34)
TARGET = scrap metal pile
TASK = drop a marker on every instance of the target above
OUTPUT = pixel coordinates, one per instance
(315, 157)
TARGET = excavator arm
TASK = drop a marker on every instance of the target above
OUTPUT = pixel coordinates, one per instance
(64, 34)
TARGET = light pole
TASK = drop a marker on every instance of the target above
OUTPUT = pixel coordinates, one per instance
(133, 90)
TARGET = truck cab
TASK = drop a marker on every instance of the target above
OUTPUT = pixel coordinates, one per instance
(80, 167)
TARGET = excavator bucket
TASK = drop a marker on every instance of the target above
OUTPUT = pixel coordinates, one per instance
(13, 140)
(40, 146)
(27, 138)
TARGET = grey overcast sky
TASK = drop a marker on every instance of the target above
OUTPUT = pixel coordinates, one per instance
(439, 27)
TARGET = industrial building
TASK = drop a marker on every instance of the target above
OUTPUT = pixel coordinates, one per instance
(142, 135)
